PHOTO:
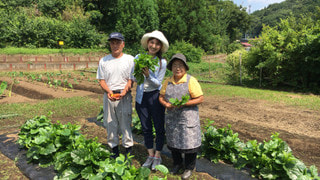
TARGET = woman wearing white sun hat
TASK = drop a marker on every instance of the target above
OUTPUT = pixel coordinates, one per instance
(148, 107)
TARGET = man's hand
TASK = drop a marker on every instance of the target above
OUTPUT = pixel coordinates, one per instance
(113, 97)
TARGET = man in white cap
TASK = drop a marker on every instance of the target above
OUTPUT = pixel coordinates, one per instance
(115, 79)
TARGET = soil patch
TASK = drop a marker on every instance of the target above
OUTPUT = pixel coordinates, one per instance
(42, 91)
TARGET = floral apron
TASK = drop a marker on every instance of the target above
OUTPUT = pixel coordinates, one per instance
(182, 124)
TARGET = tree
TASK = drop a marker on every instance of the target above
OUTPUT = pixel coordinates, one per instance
(229, 21)
(273, 14)
(190, 23)
(288, 54)
(134, 18)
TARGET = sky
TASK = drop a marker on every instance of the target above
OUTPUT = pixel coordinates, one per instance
(255, 4)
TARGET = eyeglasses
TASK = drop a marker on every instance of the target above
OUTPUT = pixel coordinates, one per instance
(176, 66)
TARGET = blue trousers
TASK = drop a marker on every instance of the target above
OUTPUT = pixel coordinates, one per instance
(150, 111)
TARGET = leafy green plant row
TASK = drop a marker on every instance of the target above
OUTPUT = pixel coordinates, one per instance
(268, 160)
(74, 156)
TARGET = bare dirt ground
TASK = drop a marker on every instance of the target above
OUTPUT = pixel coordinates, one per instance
(252, 119)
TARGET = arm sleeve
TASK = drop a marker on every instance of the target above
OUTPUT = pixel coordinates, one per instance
(100, 74)
(157, 78)
(194, 88)
(132, 70)
(164, 87)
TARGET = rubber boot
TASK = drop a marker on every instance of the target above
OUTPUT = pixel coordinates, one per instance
(115, 151)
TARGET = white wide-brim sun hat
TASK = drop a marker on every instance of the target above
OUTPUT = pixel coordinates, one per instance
(158, 35)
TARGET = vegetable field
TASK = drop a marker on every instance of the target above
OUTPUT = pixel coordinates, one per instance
(75, 97)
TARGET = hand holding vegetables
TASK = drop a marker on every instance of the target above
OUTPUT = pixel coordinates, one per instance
(142, 63)
(179, 103)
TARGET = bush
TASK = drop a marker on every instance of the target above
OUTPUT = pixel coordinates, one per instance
(25, 30)
(233, 61)
(81, 34)
(192, 53)
(233, 47)
(288, 55)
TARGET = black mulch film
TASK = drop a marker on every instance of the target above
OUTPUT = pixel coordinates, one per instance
(9, 148)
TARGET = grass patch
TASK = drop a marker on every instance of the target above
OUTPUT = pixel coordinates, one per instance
(205, 71)
(293, 99)
(47, 51)
(61, 107)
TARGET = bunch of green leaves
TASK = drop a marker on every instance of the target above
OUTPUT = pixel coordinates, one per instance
(30, 130)
(120, 168)
(3, 87)
(221, 144)
(44, 139)
(81, 159)
(274, 160)
(177, 102)
(144, 60)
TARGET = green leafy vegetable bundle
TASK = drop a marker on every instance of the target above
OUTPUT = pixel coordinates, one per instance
(177, 102)
(144, 60)
(3, 87)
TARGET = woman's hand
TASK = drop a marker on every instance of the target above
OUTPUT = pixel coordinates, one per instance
(169, 106)
(145, 72)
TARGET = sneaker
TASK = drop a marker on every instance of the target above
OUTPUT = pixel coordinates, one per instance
(156, 161)
(186, 174)
(148, 162)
